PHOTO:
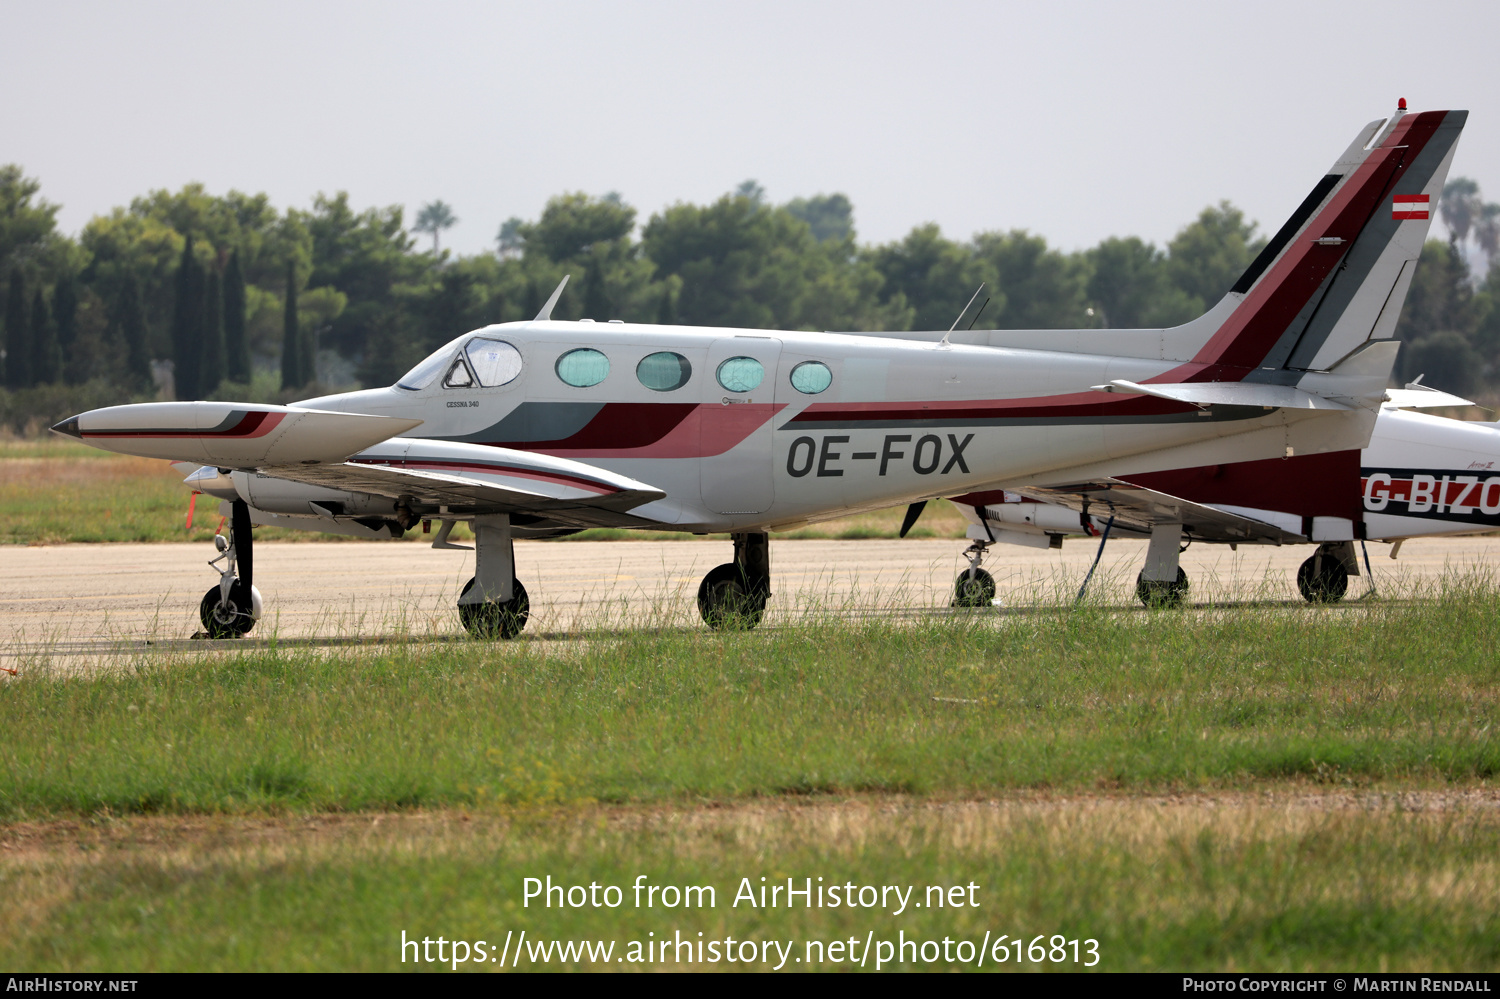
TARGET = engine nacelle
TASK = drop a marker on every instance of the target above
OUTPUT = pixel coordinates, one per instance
(1038, 516)
(273, 495)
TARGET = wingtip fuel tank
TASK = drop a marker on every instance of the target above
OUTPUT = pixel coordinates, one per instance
(232, 434)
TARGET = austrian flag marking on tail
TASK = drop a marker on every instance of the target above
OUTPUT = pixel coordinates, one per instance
(1410, 206)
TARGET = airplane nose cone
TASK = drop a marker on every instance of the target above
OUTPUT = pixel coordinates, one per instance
(69, 427)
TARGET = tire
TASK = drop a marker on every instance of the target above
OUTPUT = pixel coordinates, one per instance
(494, 618)
(231, 618)
(1157, 594)
(1323, 585)
(976, 592)
(730, 602)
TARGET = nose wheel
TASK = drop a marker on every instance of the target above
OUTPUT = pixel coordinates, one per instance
(232, 606)
(232, 614)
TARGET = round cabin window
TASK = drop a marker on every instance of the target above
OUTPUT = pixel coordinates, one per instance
(663, 371)
(811, 377)
(583, 367)
(741, 374)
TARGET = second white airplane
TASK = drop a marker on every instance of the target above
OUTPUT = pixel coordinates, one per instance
(542, 428)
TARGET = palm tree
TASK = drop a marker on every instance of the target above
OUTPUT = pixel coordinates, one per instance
(1487, 230)
(434, 218)
(1460, 207)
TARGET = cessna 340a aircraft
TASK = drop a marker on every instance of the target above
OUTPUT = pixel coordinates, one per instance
(1420, 476)
(542, 428)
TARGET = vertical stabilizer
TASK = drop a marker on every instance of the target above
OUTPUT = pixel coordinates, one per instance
(1334, 277)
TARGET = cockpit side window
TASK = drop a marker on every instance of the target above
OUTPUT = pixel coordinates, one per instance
(494, 362)
(459, 376)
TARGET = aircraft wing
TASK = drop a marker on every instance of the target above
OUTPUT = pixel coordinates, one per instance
(476, 479)
(1137, 508)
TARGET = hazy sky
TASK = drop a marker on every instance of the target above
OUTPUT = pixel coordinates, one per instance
(1074, 120)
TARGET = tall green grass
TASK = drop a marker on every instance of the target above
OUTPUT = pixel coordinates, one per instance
(1382, 694)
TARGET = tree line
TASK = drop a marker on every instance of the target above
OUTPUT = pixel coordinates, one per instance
(252, 303)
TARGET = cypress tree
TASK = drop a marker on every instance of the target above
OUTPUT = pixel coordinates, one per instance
(187, 325)
(130, 318)
(236, 343)
(212, 372)
(595, 301)
(291, 343)
(65, 315)
(17, 334)
(308, 339)
(666, 309)
(46, 358)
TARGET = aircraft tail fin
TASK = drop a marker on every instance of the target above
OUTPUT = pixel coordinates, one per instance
(1334, 277)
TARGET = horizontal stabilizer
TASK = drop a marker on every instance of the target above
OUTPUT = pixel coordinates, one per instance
(1226, 394)
(232, 434)
(1419, 396)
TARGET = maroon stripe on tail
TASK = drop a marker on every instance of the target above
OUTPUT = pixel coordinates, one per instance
(1253, 330)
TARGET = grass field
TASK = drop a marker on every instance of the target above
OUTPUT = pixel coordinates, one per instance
(1238, 883)
(57, 491)
(1246, 788)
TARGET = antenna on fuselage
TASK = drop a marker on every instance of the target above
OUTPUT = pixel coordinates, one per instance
(956, 319)
(546, 312)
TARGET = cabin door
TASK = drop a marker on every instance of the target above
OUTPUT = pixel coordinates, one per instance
(738, 386)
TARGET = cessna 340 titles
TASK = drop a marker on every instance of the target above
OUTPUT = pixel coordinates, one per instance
(538, 429)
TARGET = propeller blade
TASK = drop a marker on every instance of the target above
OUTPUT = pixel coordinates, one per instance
(912, 513)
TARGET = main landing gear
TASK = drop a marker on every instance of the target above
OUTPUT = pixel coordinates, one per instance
(1324, 578)
(231, 608)
(1162, 583)
(493, 604)
(732, 597)
(974, 587)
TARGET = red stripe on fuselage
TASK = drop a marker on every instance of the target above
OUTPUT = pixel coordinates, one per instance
(658, 430)
(1073, 404)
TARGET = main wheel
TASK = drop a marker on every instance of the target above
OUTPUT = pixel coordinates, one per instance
(229, 618)
(976, 592)
(729, 601)
(495, 618)
(1154, 593)
(1323, 584)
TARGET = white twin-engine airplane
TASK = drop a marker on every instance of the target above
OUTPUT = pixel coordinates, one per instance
(542, 428)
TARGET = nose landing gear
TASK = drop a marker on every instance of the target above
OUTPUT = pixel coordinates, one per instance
(231, 607)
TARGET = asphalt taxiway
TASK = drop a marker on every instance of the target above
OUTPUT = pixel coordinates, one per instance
(87, 599)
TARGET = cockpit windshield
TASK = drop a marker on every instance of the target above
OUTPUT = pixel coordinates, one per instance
(426, 372)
